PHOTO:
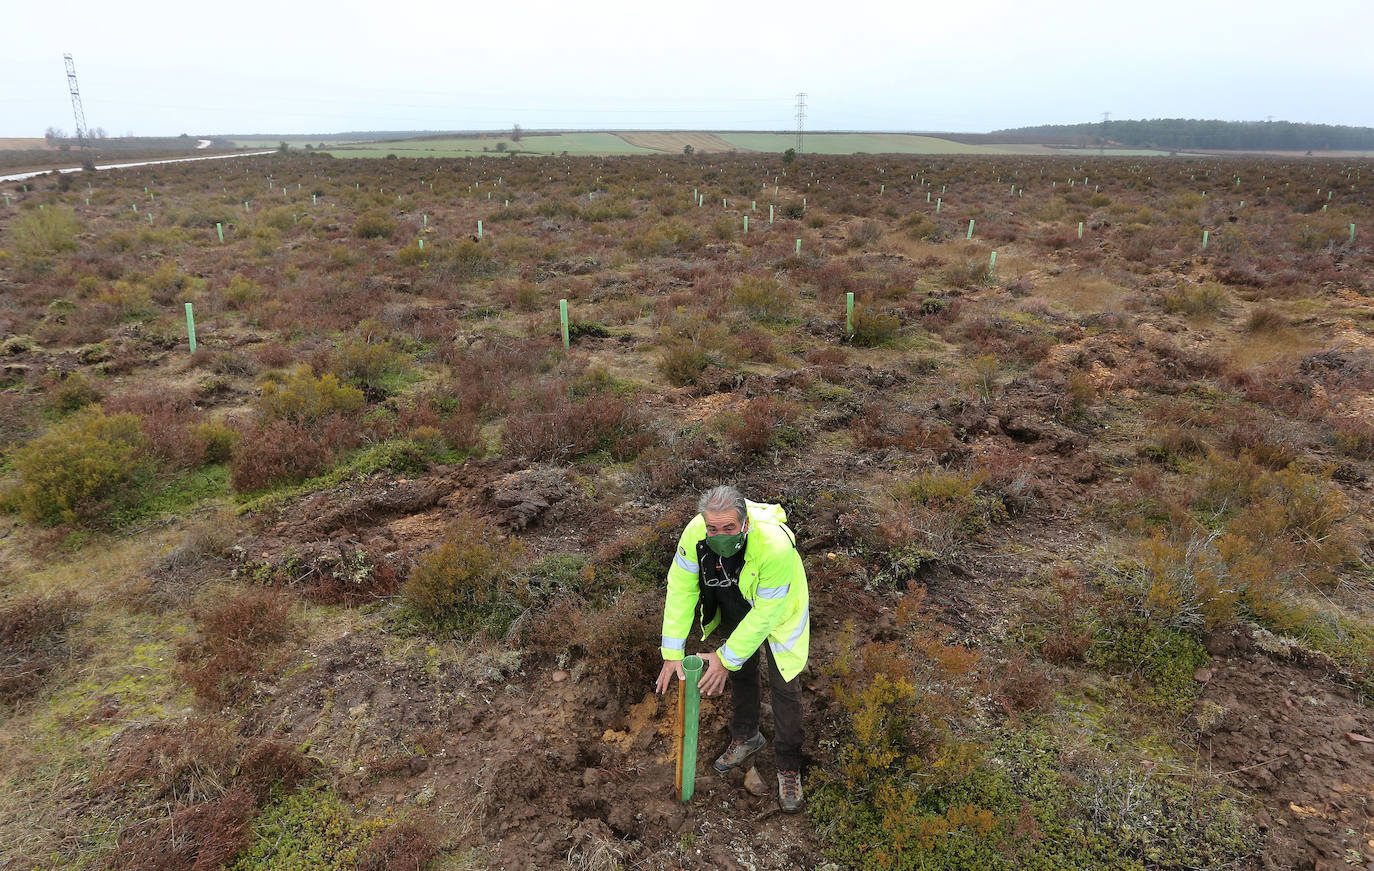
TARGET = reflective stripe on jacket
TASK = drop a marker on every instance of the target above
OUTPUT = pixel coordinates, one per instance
(772, 581)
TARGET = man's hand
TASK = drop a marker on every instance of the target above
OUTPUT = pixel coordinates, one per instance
(665, 676)
(713, 679)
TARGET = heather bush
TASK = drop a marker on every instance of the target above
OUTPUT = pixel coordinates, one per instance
(375, 367)
(305, 398)
(283, 451)
(764, 422)
(33, 642)
(402, 846)
(374, 225)
(873, 327)
(465, 585)
(45, 232)
(632, 622)
(551, 426)
(937, 512)
(1265, 319)
(762, 299)
(168, 419)
(1208, 299)
(81, 468)
(862, 234)
(682, 363)
(240, 640)
(199, 837)
(884, 425)
(465, 259)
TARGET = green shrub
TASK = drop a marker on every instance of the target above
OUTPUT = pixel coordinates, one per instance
(242, 292)
(682, 363)
(873, 327)
(45, 232)
(374, 225)
(465, 585)
(305, 398)
(309, 829)
(375, 367)
(80, 468)
(412, 255)
(1205, 300)
(1161, 658)
(218, 440)
(73, 393)
(763, 299)
(910, 789)
(466, 259)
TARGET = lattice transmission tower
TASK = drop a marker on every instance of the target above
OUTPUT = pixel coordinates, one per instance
(76, 102)
(801, 119)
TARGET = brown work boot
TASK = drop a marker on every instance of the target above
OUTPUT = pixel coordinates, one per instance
(738, 751)
(790, 791)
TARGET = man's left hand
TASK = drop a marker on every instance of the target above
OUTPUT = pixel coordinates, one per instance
(713, 679)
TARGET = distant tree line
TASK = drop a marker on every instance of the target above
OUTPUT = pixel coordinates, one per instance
(1189, 133)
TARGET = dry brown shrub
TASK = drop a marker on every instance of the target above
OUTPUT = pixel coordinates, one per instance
(885, 425)
(18, 418)
(240, 634)
(1265, 319)
(270, 763)
(553, 427)
(757, 427)
(830, 361)
(202, 837)
(281, 451)
(1070, 615)
(631, 623)
(33, 642)
(168, 419)
(557, 629)
(186, 762)
(403, 846)
(1022, 686)
(275, 355)
(756, 345)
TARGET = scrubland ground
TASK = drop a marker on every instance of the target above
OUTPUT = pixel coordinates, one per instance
(373, 578)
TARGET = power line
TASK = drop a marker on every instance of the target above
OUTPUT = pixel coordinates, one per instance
(801, 119)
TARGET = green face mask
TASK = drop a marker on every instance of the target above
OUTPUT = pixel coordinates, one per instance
(725, 545)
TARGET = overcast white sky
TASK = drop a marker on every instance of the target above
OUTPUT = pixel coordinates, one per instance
(249, 66)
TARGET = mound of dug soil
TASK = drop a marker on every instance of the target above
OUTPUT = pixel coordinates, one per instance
(1303, 745)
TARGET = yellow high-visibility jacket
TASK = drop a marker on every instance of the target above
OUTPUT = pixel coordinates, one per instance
(772, 581)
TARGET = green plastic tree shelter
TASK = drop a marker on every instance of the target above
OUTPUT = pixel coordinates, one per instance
(688, 712)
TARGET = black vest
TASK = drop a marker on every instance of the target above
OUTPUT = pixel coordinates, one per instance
(718, 586)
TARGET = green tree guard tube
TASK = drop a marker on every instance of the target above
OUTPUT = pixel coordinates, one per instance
(191, 328)
(563, 319)
(849, 312)
(689, 710)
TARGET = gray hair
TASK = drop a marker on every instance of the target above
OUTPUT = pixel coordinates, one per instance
(723, 498)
